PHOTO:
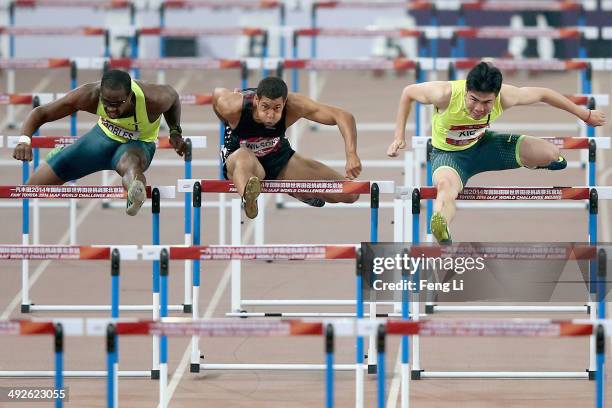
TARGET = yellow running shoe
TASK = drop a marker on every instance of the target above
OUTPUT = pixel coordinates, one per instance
(439, 229)
(251, 192)
(137, 194)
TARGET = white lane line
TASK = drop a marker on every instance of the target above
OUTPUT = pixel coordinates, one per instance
(210, 310)
(604, 205)
(605, 209)
(182, 83)
(395, 384)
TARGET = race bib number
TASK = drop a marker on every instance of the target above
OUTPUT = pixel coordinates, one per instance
(261, 146)
(120, 131)
(461, 135)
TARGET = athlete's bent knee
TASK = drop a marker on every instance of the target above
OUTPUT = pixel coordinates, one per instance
(447, 187)
(132, 160)
(443, 184)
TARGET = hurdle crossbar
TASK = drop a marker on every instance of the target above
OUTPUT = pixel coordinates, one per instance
(292, 186)
(50, 142)
(104, 4)
(223, 327)
(79, 192)
(513, 193)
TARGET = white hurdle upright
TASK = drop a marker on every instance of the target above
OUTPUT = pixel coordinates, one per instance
(592, 194)
(304, 186)
(281, 186)
(73, 192)
(114, 329)
(115, 255)
(163, 142)
(237, 253)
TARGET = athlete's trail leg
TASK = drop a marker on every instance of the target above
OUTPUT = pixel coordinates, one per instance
(302, 168)
(539, 153)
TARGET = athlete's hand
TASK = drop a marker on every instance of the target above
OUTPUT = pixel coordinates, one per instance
(23, 152)
(596, 118)
(395, 146)
(353, 166)
(178, 143)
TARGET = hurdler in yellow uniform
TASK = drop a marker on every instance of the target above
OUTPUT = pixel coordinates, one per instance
(467, 146)
(122, 140)
(103, 146)
(462, 143)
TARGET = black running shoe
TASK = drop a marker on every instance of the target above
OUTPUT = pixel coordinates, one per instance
(558, 164)
(313, 201)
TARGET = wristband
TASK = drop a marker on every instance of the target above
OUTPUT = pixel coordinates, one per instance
(24, 139)
(588, 117)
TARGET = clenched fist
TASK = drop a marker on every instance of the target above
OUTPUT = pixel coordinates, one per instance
(23, 150)
(395, 147)
(353, 166)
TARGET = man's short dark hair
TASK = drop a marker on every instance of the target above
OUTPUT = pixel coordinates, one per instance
(272, 87)
(484, 77)
(117, 79)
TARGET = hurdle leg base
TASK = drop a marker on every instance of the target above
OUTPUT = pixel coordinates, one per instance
(416, 374)
(430, 309)
(25, 308)
(106, 206)
(372, 368)
(155, 374)
(194, 368)
(187, 308)
(592, 375)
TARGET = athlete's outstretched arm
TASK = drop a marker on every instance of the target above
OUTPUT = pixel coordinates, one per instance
(84, 98)
(300, 106)
(514, 96)
(170, 105)
(436, 93)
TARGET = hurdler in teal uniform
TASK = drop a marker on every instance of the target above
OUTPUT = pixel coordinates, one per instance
(122, 140)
